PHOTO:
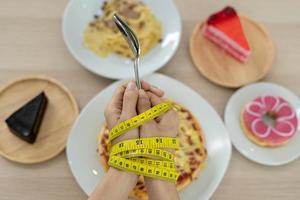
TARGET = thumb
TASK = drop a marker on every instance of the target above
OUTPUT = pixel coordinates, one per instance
(129, 101)
(143, 102)
(143, 105)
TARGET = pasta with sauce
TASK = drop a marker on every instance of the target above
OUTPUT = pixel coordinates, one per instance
(103, 37)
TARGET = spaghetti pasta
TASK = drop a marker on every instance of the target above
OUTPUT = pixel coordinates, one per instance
(103, 38)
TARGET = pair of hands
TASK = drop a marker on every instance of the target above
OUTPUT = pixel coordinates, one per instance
(128, 102)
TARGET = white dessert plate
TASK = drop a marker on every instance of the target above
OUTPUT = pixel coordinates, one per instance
(79, 13)
(263, 155)
(82, 144)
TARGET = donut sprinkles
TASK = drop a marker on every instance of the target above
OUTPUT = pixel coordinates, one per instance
(269, 121)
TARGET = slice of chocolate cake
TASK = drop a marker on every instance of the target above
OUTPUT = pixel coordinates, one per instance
(26, 121)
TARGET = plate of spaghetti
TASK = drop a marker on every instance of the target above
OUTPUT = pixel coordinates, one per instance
(93, 39)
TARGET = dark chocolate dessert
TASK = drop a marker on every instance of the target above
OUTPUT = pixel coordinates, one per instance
(26, 121)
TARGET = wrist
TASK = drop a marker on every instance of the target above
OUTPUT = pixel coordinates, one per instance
(116, 174)
(116, 184)
(157, 189)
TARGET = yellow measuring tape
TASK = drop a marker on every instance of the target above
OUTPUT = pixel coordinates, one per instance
(144, 156)
(139, 120)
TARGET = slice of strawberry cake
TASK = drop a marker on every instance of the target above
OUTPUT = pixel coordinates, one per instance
(225, 29)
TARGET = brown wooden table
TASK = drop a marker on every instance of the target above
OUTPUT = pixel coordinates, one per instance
(31, 42)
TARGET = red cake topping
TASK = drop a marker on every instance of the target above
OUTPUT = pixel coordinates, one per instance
(222, 15)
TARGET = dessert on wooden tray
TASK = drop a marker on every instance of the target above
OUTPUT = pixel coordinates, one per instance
(231, 49)
(269, 121)
(225, 29)
(26, 121)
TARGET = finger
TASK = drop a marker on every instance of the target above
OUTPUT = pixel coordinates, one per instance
(155, 90)
(117, 98)
(170, 122)
(129, 101)
(155, 100)
(144, 102)
(169, 116)
(114, 108)
(143, 105)
(125, 84)
(145, 85)
(148, 87)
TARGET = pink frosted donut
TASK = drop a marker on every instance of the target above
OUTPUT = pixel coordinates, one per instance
(265, 134)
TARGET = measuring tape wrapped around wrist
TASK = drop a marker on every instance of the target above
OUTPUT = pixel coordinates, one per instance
(144, 156)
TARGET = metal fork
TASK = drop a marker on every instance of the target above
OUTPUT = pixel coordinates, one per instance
(133, 43)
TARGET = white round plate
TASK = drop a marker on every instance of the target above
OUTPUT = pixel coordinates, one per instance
(263, 155)
(82, 144)
(79, 13)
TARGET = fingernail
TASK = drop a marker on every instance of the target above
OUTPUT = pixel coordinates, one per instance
(131, 86)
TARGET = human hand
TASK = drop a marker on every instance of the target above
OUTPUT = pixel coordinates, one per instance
(123, 106)
(165, 125)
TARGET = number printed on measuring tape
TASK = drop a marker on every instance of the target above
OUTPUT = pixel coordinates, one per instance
(160, 172)
(139, 120)
(144, 156)
(157, 154)
(156, 163)
(150, 143)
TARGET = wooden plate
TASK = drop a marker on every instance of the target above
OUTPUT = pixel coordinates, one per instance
(220, 68)
(59, 117)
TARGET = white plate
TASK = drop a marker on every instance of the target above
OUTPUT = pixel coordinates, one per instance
(79, 13)
(263, 155)
(82, 143)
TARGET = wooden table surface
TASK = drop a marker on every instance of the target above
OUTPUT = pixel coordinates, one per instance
(31, 42)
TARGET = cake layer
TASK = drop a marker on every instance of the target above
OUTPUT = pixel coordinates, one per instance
(226, 43)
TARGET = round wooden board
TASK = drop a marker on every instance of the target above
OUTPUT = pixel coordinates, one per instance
(60, 114)
(219, 67)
